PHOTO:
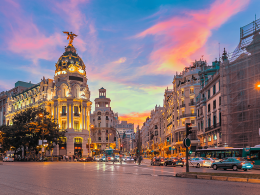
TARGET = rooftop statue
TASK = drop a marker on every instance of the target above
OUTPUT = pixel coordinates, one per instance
(70, 37)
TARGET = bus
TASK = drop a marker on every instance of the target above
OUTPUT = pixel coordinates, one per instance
(250, 154)
(220, 152)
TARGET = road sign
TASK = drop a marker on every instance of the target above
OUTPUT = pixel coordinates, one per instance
(186, 142)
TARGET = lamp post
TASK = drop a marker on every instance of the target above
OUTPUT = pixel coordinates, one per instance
(91, 127)
(41, 117)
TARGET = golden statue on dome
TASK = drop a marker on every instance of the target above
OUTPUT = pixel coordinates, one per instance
(70, 37)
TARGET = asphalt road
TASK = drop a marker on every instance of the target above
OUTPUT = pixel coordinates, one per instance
(106, 178)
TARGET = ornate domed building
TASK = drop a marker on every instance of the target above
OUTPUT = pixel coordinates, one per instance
(67, 98)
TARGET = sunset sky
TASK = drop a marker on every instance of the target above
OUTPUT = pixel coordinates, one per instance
(132, 48)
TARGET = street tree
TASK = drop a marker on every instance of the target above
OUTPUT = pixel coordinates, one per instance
(28, 127)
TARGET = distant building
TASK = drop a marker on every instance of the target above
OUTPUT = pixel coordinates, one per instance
(127, 134)
(104, 122)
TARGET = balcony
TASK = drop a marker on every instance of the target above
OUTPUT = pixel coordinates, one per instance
(212, 127)
(188, 115)
(76, 114)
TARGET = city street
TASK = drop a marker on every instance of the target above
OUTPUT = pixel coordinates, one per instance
(106, 178)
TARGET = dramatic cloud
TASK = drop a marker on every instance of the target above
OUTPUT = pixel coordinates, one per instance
(77, 22)
(135, 117)
(180, 37)
(24, 37)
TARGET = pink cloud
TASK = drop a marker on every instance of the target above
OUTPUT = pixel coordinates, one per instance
(182, 37)
(77, 22)
(25, 38)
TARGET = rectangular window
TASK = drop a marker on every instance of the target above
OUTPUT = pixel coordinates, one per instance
(63, 125)
(214, 104)
(107, 138)
(99, 138)
(219, 100)
(201, 125)
(219, 85)
(193, 122)
(76, 125)
(215, 136)
(208, 107)
(214, 89)
(209, 138)
(63, 110)
(208, 94)
(76, 111)
(214, 120)
(191, 90)
(209, 122)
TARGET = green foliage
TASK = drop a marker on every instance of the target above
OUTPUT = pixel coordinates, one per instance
(28, 127)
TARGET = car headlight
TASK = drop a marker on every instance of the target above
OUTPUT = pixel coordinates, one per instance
(112, 158)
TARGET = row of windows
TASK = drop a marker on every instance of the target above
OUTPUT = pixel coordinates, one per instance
(214, 104)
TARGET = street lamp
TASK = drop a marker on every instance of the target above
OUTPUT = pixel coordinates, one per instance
(41, 117)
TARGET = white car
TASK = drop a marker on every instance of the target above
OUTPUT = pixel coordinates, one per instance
(8, 159)
(200, 162)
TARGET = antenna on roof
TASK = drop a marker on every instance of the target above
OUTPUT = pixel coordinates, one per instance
(219, 51)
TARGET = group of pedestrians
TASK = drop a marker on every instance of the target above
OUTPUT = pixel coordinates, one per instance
(70, 158)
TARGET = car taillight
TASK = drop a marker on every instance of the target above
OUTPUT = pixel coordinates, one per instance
(161, 159)
(153, 159)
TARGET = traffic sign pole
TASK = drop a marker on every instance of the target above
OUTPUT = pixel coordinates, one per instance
(187, 161)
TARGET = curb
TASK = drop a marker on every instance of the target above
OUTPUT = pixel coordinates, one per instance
(218, 178)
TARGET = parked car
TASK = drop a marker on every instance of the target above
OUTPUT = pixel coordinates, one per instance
(157, 161)
(8, 159)
(234, 163)
(200, 162)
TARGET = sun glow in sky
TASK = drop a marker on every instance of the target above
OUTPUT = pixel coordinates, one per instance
(131, 48)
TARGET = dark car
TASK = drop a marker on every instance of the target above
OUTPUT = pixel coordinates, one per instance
(157, 161)
(174, 161)
(234, 163)
(86, 159)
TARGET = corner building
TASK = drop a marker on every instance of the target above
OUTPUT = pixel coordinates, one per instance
(66, 98)
(104, 121)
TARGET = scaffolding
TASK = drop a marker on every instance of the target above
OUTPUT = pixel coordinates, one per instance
(240, 72)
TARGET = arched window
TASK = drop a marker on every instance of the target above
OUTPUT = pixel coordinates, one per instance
(99, 113)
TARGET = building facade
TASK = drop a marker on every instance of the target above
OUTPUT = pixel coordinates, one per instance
(19, 87)
(208, 106)
(186, 87)
(239, 81)
(104, 121)
(66, 98)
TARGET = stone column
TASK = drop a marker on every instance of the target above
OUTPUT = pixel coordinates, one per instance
(68, 116)
(57, 112)
(72, 116)
(82, 117)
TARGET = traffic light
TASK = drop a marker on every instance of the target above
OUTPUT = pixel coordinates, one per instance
(168, 139)
(190, 152)
(188, 129)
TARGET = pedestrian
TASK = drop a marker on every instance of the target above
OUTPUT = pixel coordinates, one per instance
(135, 159)
(67, 158)
(70, 158)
